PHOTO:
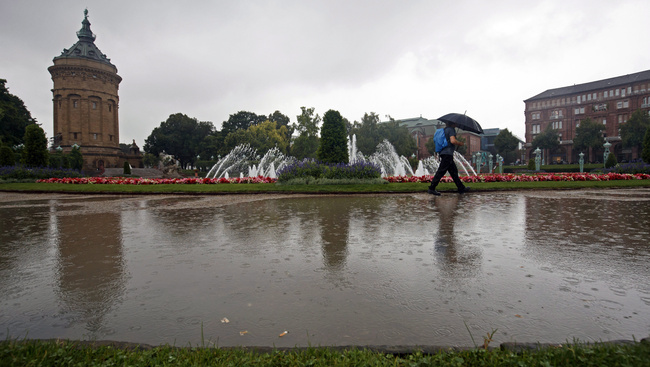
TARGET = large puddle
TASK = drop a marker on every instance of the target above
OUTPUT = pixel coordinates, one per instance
(330, 270)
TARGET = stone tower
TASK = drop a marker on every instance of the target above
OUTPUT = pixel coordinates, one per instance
(86, 102)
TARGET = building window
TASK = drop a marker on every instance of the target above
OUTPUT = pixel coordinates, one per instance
(600, 107)
(75, 104)
(536, 115)
(617, 91)
(556, 114)
(604, 121)
(95, 136)
(577, 123)
(536, 129)
(622, 92)
(557, 124)
(110, 137)
(594, 96)
(109, 108)
(75, 135)
(605, 94)
(94, 105)
(629, 90)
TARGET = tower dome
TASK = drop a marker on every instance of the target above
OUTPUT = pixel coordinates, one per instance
(85, 97)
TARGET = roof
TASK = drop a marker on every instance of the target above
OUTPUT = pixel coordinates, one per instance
(624, 80)
(85, 48)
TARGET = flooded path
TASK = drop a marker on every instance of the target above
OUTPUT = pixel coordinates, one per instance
(407, 269)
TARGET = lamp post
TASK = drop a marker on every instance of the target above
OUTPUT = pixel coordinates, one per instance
(581, 161)
(607, 145)
(490, 164)
(500, 163)
(538, 158)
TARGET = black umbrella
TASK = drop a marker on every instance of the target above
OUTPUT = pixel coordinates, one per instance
(462, 122)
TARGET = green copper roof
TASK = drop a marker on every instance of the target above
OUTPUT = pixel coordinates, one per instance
(85, 48)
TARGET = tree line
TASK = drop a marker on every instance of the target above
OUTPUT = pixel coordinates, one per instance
(589, 134)
(200, 144)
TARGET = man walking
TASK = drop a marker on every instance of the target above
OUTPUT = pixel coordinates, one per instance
(447, 163)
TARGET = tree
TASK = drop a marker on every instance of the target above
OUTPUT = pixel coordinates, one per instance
(180, 136)
(370, 132)
(633, 131)
(6, 156)
(35, 153)
(367, 133)
(306, 143)
(261, 137)
(588, 135)
(76, 159)
(149, 160)
(14, 117)
(506, 145)
(241, 120)
(645, 154)
(548, 139)
(333, 146)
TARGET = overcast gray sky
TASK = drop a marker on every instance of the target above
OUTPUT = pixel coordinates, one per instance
(406, 58)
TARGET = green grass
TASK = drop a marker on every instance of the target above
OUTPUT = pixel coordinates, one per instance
(68, 353)
(309, 189)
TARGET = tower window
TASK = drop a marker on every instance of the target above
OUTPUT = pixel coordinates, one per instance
(94, 105)
(75, 104)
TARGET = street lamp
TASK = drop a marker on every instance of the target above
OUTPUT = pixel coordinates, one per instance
(538, 158)
(581, 161)
(607, 145)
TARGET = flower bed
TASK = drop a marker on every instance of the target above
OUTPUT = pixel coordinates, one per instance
(528, 178)
(420, 179)
(156, 181)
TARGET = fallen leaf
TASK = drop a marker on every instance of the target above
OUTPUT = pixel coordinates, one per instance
(284, 333)
(243, 332)
(518, 316)
(225, 320)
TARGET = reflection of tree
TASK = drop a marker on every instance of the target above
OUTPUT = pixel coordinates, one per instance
(91, 265)
(334, 215)
(609, 234)
(453, 257)
(22, 240)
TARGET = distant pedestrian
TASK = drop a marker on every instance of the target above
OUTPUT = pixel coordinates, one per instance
(447, 163)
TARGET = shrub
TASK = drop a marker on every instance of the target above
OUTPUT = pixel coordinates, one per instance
(312, 170)
(24, 173)
(7, 156)
(76, 159)
(632, 168)
(531, 164)
(127, 168)
(611, 161)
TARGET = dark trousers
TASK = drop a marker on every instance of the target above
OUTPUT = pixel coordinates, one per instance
(447, 165)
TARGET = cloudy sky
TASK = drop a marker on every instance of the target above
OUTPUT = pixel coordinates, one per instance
(406, 58)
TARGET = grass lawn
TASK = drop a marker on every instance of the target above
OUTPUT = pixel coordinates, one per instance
(309, 189)
(63, 353)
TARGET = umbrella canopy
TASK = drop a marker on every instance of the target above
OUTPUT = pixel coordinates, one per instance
(462, 122)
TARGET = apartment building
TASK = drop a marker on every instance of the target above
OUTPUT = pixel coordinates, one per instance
(609, 101)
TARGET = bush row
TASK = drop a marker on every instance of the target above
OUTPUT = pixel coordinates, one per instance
(25, 173)
(310, 169)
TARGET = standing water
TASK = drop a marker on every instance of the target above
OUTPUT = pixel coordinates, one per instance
(331, 270)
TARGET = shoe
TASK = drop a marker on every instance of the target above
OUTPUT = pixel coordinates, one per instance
(433, 192)
(464, 190)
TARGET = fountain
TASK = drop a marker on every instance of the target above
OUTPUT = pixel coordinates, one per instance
(240, 161)
(244, 161)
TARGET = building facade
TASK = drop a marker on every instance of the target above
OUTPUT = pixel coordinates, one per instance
(86, 103)
(422, 131)
(610, 102)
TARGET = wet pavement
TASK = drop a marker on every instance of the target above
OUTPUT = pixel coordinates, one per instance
(408, 269)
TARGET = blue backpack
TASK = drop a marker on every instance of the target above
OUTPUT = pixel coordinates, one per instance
(440, 139)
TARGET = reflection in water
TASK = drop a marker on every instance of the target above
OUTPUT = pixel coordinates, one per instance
(90, 266)
(334, 218)
(456, 257)
(332, 270)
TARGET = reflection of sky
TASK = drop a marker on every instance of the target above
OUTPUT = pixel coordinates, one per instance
(402, 269)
